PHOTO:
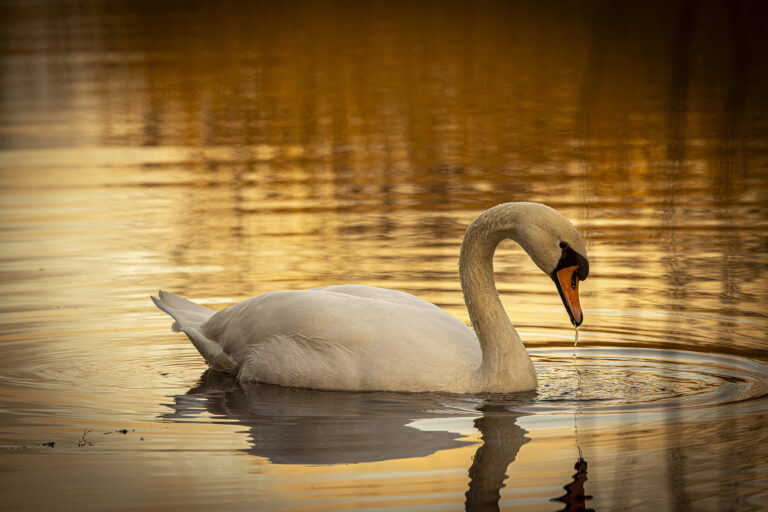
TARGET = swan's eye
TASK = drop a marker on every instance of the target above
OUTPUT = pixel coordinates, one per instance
(563, 245)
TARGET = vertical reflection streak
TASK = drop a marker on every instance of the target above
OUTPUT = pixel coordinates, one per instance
(678, 275)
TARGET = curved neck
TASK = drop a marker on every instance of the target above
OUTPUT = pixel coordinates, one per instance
(505, 360)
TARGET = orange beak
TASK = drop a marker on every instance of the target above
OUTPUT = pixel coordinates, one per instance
(567, 281)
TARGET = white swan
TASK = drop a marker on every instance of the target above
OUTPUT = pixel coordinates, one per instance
(355, 337)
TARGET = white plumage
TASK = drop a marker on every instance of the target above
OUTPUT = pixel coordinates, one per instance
(356, 337)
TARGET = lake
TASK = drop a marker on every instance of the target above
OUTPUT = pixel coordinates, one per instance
(222, 150)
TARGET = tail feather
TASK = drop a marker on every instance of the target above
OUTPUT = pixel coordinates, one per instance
(188, 317)
(185, 312)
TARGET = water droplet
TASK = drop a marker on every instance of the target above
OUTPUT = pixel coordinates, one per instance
(575, 365)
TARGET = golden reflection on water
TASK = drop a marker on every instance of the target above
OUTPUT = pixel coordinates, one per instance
(222, 151)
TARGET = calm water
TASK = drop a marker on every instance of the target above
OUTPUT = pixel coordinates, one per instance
(220, 150)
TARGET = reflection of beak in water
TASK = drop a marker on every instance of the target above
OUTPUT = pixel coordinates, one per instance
(305, 426)
(574, 498)
(502, 439)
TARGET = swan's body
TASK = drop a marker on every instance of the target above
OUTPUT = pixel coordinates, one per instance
(356, 337)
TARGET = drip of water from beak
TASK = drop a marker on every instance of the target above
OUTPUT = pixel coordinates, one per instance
(575, 365)
(576, 413)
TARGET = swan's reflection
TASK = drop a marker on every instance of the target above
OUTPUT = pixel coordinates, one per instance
(304, 426)
(301, 426)
(575, 498)
(502, 439)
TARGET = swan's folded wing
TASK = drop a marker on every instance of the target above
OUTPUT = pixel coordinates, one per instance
(350, 338)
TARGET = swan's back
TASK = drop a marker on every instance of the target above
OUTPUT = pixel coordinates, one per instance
(346, 337)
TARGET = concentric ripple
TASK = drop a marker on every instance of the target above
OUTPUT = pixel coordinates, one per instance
(624, 379)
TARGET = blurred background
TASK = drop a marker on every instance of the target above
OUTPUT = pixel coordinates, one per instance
(322, 142)
(222, 149)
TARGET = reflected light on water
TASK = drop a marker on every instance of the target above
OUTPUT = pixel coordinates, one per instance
(220, 151)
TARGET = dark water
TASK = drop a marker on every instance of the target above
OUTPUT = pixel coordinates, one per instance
(220, 150)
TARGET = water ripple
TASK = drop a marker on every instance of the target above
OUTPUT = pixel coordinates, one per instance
(624, 379)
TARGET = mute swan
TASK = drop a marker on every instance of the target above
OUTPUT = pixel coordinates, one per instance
(355, 337)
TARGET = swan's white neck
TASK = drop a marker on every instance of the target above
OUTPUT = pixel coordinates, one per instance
(506, 364)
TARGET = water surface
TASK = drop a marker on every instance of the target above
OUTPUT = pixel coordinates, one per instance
(220, 151)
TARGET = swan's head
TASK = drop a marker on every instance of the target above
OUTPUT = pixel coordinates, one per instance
(557, 248)
(572, 267)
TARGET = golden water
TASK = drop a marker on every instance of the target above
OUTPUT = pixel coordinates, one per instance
(222, 150)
